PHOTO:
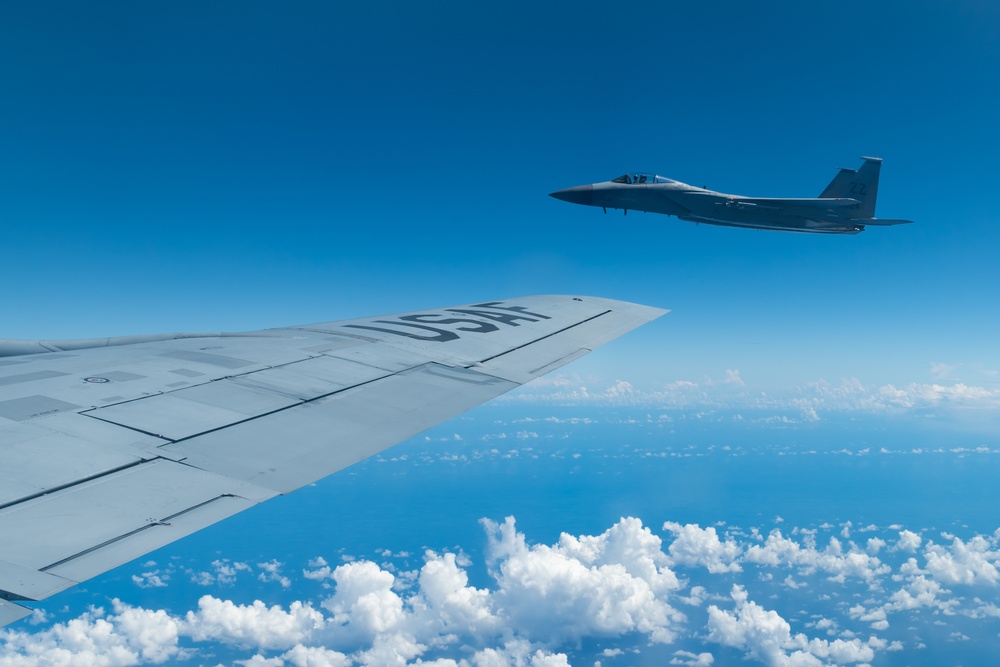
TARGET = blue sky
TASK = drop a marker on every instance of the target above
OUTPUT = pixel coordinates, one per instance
(214, 166)
(235, 166)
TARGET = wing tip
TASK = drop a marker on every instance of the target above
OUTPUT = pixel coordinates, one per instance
(10, 612)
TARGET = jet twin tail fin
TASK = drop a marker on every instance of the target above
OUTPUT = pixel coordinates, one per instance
(860, 184)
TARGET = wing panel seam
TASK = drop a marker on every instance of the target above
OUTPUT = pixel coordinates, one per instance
(554, 333)
(248, 419)
(75, 482)
(152, 524)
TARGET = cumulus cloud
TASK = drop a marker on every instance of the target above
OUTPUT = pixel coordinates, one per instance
(623, 584)
(364, 604)
(447, 605)
(694, 545)
(315, 656)
(908, 541)
(151, 579)
(271, 571)
(874, 545)
(969, 563)
(780, 551)
(692, 659)
(128, 636)
(604, 585)
(254, 625)
(518, 653)
(319, 571)
(766, 636)
(223, 573)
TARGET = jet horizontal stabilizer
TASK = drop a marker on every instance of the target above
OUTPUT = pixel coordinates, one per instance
(881, 222)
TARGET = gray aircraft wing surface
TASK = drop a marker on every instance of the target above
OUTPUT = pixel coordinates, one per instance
(111, 448)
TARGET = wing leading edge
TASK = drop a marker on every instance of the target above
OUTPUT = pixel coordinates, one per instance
(112, 448)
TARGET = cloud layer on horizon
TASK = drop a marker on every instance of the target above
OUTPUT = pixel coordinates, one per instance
(733, 392)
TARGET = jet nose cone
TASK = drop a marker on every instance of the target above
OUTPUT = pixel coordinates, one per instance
(581, 194)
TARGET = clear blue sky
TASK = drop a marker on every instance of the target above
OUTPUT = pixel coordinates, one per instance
(216, 165)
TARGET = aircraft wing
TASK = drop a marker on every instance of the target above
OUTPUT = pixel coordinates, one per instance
(111, 448)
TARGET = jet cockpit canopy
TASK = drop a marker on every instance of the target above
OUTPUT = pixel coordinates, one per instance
(639, 178)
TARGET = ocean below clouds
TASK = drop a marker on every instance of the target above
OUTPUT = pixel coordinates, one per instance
(552, 535)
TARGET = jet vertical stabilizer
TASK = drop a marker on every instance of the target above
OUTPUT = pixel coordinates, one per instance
(860, 184)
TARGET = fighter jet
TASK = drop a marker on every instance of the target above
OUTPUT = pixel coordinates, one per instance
(846, 205)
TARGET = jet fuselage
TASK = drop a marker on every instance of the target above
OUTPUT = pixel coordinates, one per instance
(845, 207)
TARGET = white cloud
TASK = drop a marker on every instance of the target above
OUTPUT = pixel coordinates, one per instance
(320, 569)
(696, 597)
(875, 617)
(518, 653)
(604, 585)
(619, 583)
(692, 659)
(908, 541)
(224, 573)
(364, 604)
(693, 546)
(921, 592)
(969, 563)
(254, 625)
(874, 545)
(152, 579)
(260, 661)
(129, 636)
(315, 656)
(446, 604)
(850, 395)
(271, 571)
(766, 636)
(779, 551)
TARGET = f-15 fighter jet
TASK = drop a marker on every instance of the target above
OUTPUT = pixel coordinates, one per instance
(846, 206)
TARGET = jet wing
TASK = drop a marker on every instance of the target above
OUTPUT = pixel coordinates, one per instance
(111, 448)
